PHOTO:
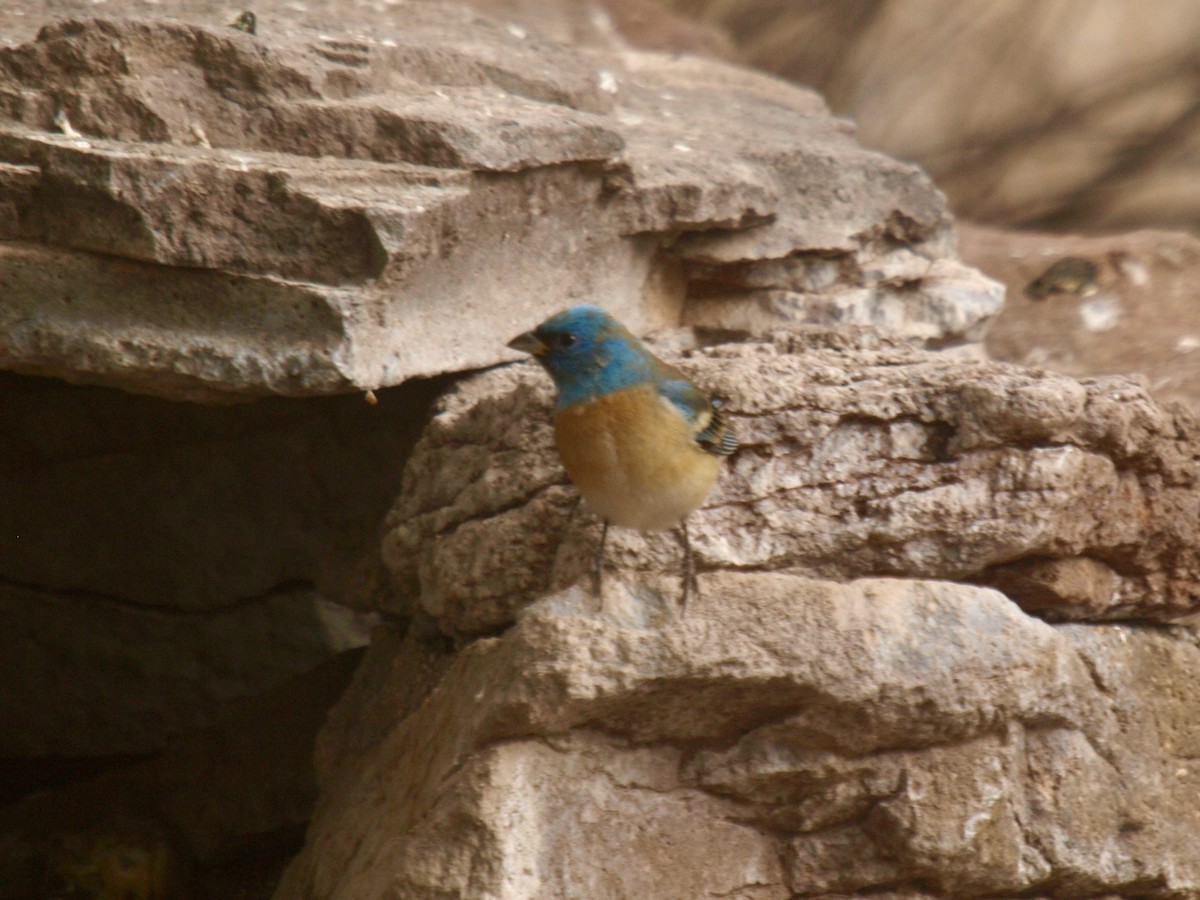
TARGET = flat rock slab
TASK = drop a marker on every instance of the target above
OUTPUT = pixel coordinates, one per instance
(784, 736)
(859, 456)
(196, 212)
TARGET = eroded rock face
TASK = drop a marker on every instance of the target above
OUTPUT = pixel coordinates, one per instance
(787, 735)
(193, 211)
(859, 456)
(783, 736)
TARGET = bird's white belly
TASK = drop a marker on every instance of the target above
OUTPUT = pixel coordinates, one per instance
(634, 459)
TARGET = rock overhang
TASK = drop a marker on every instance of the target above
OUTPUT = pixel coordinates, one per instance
(199, 213)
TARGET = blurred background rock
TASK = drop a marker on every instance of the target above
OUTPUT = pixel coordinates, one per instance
(1057, 114)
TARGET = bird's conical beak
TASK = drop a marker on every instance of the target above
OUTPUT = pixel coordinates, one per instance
(529, 343)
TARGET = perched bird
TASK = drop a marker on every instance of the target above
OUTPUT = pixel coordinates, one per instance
(1069, 275)
(247, 22)
(641, 442)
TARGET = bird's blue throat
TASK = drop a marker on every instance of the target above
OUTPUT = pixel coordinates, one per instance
(611, 365)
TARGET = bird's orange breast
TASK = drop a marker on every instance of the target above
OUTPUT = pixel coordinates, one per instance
(634, 458)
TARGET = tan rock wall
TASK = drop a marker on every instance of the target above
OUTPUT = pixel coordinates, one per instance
(197, 212)
(782, 737)
(859, 457)
(1063, 114)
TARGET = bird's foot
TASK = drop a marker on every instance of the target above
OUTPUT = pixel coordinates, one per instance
(691, 589)
(598, 569)
(691, 585)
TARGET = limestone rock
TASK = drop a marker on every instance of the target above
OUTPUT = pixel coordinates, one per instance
(1138, 312)
(606, 25)
(296, 212)
(365, 194)
(859, 456)
(943, 304)
(783, 736)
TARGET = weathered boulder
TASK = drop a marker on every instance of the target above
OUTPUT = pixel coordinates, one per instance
(194, 211)
(363, 195)
(859, 456)
(783, 736)
(805, 727)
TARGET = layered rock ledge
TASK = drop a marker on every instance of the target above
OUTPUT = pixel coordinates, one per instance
(860, 457)
(783, 737)
(192, 211)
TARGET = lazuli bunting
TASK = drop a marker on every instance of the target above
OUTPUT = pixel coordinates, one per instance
(641, 442)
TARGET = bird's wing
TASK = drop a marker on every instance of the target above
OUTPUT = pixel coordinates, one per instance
(712, 431)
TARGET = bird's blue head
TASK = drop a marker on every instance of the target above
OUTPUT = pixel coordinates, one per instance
(588, 353)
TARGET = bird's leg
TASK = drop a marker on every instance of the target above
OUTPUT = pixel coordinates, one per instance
(571, 515)
(598, 571)
(566, 529)
(690, 583)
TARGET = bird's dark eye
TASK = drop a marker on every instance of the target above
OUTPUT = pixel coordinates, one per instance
(565, 340)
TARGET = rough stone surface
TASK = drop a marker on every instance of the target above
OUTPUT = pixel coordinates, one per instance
(193, 211)
(1139, 313)
(782, 737)
(943, 304)
(859, 456)
(367, 192)
(611, 24)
